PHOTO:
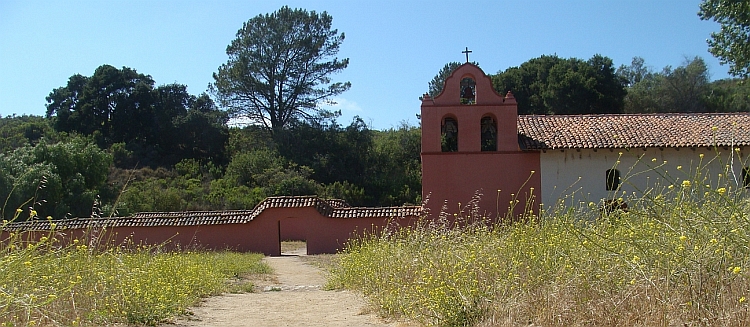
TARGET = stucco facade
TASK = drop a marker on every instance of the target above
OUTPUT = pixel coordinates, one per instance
(325, 225)
(474, 117)
(580, 175)
(541, 160)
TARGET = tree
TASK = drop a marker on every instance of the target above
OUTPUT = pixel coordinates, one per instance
(54, 179)
(245, 167)
(201, 132)
(397, 176)
(158, 126)
(680, 89)
(334, 152)
(728, 95)
(17, 131)
(111, 103)
(636, 72)
(646, 95)
(732, 44)
(685, 86)
(553, 85)
(279, 68)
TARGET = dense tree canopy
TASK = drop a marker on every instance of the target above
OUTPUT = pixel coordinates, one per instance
(279, 68)
(681, 89)
(554, 85)
(732, 44)
(636, 72)
(19, 131)
(351, 162)
(728, 95)
(58, 180)
(111, 103)
(150, 125)
(334, 152)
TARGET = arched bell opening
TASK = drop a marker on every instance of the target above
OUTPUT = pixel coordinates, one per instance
(449, 134)
(488, 127)
(468, 91)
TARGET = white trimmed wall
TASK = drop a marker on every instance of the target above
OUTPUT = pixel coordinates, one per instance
(576, 176)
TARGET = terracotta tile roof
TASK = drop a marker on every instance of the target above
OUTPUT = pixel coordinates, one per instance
(338, 203)
(327, 208)
(633, 130)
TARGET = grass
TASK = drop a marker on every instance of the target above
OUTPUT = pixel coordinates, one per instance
(326, 262)
(45, 284)
(291, 246)
(679, 256)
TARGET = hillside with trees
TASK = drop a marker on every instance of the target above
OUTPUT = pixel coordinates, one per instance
(116, 142)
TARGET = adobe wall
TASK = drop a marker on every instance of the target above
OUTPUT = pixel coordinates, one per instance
(579, 176)
(469, 126)
(262, 234)
(256, 236)
(323, 234)
(502, 175)
(456, 177)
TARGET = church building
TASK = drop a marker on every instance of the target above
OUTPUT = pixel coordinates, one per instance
(470, 147)
(474, 144)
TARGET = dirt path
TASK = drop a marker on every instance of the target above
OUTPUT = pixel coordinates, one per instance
(294, 298)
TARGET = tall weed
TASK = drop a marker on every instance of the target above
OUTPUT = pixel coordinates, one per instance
(45, 283)
(677, 256)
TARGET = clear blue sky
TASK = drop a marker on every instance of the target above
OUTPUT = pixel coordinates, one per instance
(394, 47)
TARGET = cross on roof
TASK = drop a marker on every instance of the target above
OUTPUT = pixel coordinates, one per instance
(467, 52)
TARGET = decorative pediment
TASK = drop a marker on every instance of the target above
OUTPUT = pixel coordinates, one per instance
(468, 85)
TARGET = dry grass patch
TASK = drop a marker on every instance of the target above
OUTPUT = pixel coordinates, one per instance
(323, 261)
(292, 246)
(679, 257)
(44, 283)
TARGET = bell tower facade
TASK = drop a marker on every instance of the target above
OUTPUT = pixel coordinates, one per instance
(470, 146)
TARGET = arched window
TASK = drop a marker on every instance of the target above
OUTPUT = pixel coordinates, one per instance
(613, 179)
(449, 135)
(468, 91)
(489, 134)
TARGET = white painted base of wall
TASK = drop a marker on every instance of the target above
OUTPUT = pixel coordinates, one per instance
(574, 176)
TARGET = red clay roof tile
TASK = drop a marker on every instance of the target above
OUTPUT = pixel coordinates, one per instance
(633, 130)
(327, 208)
